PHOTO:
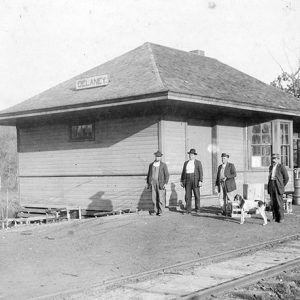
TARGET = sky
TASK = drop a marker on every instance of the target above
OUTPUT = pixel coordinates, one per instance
(45, 42)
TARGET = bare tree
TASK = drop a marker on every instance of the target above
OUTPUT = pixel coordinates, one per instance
(288, 82)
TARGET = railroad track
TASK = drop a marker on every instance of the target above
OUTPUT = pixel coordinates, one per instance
(199, 278)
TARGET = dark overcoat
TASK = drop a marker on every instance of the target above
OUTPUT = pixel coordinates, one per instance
(198, 173)
(163, 175)
(230, 174)
(281, 176)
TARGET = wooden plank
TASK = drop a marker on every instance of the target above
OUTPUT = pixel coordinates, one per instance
(121, 146)
(174, 144)
(95, 193)
(231, 140)
(199, 136)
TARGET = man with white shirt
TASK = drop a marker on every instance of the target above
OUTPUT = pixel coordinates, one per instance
(278, 178)
(225, 182)
(157, 178)
(191, 180)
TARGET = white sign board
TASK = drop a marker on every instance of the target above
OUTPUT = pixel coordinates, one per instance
(91, 82)
(256, 162)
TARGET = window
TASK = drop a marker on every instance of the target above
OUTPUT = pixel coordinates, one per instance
(285, 143)
(83, 132)
(261, 141)
(296, 150)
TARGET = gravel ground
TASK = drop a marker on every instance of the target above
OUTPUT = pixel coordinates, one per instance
(43, 259)
(285, 286)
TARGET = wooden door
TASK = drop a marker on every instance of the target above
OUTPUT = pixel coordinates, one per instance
(199, 136)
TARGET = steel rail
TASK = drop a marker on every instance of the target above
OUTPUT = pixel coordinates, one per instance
(242, 281)
(220, 256)
(190, 263)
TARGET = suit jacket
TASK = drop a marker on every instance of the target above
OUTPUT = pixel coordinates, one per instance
(230, 174)
(163, 175)
(198, 172)
(281, 176)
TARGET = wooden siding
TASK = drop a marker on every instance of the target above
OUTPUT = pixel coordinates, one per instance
(199, 136)
(262, 177)
(121, 147)
(174, 191)
(231, 140)
(110, 172)
(95, 193)
(174, 149)
(174, 145)
(54, 170)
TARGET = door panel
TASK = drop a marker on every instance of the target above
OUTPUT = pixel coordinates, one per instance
(200, 138)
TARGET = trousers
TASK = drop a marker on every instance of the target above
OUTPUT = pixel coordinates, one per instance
(224, 196)
(158, 198)
(277, 202)
(191, 186)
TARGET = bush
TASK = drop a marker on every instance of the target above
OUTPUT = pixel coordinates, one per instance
(9, 200)
(8, 158)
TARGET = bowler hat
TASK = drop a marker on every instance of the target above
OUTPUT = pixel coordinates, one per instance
(192, 151)
(158, 153)
(225, 155)
(276, 155)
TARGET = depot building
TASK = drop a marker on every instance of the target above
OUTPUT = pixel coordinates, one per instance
(89, 140)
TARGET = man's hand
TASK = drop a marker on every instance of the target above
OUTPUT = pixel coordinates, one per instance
(216, 189)
(224, 179)
(181, 183)
(200, 184)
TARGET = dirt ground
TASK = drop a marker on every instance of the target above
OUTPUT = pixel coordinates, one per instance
(45, 259)
(285, 286)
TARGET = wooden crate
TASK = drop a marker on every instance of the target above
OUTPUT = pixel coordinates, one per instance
(287, 204)
(236, 212)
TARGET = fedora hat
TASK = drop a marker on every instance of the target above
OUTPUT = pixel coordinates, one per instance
(192, 151)
(275, 155)
(225, 155)
(158, 153)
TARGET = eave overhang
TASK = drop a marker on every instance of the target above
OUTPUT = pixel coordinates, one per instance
(10, 119)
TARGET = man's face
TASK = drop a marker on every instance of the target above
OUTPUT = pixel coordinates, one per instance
(275, 160)
(158, 158)
(224, 159)
(191, 156)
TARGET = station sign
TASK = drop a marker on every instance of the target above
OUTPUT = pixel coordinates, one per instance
(91, 82)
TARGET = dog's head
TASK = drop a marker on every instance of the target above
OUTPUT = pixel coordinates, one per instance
(240, 200)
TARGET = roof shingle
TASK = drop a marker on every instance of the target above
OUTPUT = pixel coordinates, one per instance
(151, 69)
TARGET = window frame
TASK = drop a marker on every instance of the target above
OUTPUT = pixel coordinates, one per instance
(296, 146)
(289, 146)
(82, 139)
(275, 142)
(250, 145)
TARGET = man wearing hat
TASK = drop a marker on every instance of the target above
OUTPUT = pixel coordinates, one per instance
(191, 180)
(278, 178)
(157, 178)
(225, 182)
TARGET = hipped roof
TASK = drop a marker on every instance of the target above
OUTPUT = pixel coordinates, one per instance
(152, 70)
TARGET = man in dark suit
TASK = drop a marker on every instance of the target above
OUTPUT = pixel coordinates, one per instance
(157, 178)
(225, 182)
(278, 178)
(191, 180)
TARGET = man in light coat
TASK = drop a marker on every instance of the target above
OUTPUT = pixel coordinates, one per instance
(278, 178)
(157, 178)
(191, 180)
(225, 182)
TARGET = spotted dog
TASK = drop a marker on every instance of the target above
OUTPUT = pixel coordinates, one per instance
(246, 205)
